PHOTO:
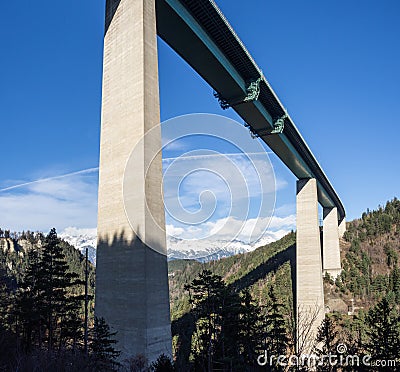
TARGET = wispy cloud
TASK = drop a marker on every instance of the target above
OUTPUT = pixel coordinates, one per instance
(60, 201)
(42, 180)
(200, 188)
(210, 156)
(70, 199)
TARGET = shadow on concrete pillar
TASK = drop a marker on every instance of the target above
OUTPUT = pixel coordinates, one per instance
(132, 296)
(132, 279)
(310, 309)
(342, 227)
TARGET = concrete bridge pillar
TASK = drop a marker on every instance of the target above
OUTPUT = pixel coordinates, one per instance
(331, 249)
(132, 279)
(342, 227)
(310, 309)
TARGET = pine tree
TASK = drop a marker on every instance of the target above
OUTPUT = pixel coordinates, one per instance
(228, 348)
(6, 302)
(45, 306)
(102, 347)
(275, 327)
(56, 303)
(327, 339)
(250, 328)
(28, 302)
(395, 283)
(384, 330)
(162, 364)
(7, 335)
(205, 294)
(72, 322)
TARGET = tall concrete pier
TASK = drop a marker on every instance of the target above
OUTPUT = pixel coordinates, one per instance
(342, 227)
(131, 279)
(331, 250)
(309, 283)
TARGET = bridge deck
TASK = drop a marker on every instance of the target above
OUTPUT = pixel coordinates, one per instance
(200, 34)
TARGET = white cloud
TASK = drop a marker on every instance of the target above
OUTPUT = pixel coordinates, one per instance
(20, 185)
(250, 230)
(75, 231)
(277, 223)
(230, 228)
(208, 186)
(174, 231)
(61, 201)
(71, 200)
(285, 210)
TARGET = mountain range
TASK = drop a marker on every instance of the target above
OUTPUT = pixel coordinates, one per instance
(82, 239)
(201, 250)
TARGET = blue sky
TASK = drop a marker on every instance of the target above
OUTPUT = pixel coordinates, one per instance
(334, 65)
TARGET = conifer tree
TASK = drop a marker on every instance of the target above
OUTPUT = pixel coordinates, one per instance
(55, 301)
(250, 328)
(228, 348)
(327, 341)
(384, 330)
(45, 306)
(206, 293)
(28, 305)
(275, 327)
(395, 283)
(6, 302)
(102, 347)
(162, 364)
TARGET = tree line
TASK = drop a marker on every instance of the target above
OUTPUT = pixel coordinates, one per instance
(42, 316)
(232, 331)
(42, 307)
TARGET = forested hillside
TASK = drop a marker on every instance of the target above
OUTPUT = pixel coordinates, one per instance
(43, 326)
(363, 302)
(370, 257)
(14, 255)
(259, 287)
(256, 270)
(224, 313)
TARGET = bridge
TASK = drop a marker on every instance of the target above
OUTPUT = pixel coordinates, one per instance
(198, 31)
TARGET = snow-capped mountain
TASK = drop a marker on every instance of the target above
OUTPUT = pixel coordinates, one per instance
(82, 239)
(209, 250)
(200, 250)
(204, 250)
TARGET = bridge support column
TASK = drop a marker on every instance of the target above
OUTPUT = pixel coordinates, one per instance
(131, 279)
(342, 227)
(331, 249)
(309, 285)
